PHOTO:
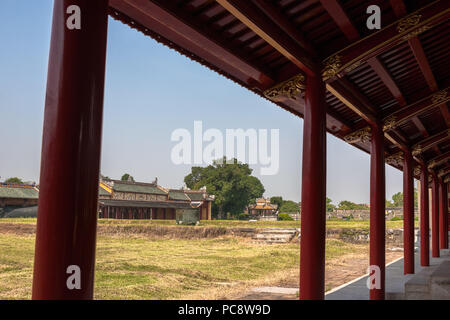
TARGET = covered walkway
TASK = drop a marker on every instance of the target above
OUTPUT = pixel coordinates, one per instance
(384, 90)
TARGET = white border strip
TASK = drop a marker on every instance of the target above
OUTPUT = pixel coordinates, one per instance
(357, 279)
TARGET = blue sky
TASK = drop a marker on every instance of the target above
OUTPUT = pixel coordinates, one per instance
(150, 91)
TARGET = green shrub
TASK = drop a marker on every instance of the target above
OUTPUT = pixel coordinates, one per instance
(284, 217)
(396, 218)
(243, 216)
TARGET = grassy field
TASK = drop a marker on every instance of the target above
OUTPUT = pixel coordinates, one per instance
(132, 267)
(335, 224)
(135, 266)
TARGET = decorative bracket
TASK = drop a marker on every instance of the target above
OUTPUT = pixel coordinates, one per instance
(395, 159)
(390, 123)
(289, 88)
(363, 135)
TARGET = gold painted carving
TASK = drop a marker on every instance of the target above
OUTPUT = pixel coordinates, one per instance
(441, 173)
(362, 135)
(390, 123)
(353, 66)
(416, 32)
(417, 171)
(431, 165)
(417, 150)
(439, 97)
(408, 22)
(395, 159)
(331, 67)
(289, 88)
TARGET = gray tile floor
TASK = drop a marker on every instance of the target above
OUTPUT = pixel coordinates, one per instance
(395, 281)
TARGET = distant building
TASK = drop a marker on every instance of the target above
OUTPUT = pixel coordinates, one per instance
(120, 200)
(18, 195)
(138, 200)
(262, 207)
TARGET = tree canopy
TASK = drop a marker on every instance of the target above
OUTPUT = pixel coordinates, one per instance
(397, 200)
(278, 200)
(127, 177)
(348, 205)
(230, 181)
(290, 206)
(14, 180)
(330, 206)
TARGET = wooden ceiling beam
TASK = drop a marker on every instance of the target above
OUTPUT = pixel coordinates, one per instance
(436, 161)
(416, 47)
(431, 141)
(345, 91)
(386, 78)
(339, 16)
(197, 41)
(424, 66)
(415, 109)
(272, 32)
(347, 59)
(365, 110)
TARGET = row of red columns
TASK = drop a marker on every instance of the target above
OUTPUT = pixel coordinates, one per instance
(312, 253)
(66, 228)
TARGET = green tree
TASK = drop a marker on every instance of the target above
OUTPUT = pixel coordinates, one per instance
(389, 204)
(330, 206)
(348, 205)
(397, 199)
(289, 206)
(127, 177)
(14, 180)
(231, 183)
(277, 200)
(416, 198)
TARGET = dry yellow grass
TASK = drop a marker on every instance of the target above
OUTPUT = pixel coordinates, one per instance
(130, 264)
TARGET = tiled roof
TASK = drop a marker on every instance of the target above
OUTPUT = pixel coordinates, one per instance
(178, 195)
(137, 188)
(18, 192)
(103, 192)
(195, 196)
(146, 204)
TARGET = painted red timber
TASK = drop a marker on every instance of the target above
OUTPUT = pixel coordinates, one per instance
(388, 37)
(408, 213)
(435, 217)
(67, 219)
(377, 208)
(443, 215)
(312, 246)
(424, 219)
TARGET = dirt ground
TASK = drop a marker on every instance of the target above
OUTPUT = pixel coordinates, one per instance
(338, 271)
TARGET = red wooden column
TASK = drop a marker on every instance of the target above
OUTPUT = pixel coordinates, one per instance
(408, 213)
(435, 217)
(377, 209)
(312, 243)
(443, 215)
(424, 219)
(66, 226)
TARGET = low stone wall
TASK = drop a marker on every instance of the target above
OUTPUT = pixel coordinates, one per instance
(365, 214)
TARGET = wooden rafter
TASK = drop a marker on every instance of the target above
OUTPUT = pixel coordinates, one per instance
(417, 49)
(411, 111)
(436, 161)
(195, 39)
(347, 59)
(429, 142)
(368, 113)
(272, 32)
